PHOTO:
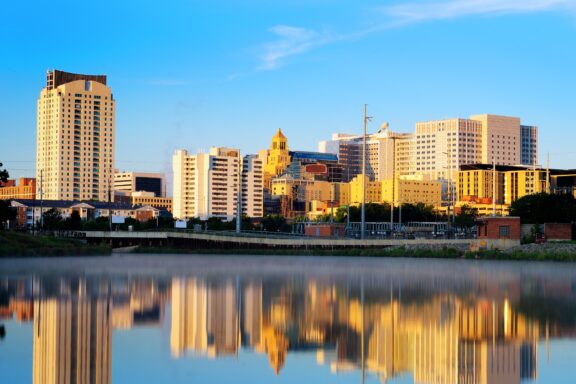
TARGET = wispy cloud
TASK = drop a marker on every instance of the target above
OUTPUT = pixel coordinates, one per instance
(292, 41)
(451, 9)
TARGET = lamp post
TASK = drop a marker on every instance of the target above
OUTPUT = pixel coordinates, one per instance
(363, 211)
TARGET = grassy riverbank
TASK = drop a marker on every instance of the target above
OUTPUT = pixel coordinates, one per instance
(22, 244)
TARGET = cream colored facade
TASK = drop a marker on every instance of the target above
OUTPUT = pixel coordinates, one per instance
(252, 186)
(500, 139)
(443, 145)
(206, 184)
(404, 190)
(75, 139)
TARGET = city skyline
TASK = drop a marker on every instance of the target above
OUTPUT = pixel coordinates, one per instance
(282, 70)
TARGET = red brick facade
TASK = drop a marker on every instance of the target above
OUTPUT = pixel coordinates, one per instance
(499, 228)
(558, 231)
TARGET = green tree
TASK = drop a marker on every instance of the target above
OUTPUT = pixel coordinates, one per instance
(4, 175)
(275, 223)
(542, 208)
(74, 222)
(7, 213)
(52, 219)
(466, 217)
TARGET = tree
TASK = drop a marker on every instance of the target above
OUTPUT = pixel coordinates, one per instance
(52, 219)
(4, 175)
(466, 217)
(275, 223)
(74, 222)
(539, 208)
(7, 213)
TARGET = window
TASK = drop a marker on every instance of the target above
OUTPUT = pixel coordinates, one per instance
(504, 231)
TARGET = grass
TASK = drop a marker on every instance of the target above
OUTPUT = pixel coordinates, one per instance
(22, 244)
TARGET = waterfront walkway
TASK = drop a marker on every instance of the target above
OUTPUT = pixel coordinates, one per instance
(251, 240)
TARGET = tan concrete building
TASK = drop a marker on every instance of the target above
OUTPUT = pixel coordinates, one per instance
(75, 137)
(500, 139)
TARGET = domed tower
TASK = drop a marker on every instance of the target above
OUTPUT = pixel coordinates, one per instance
(278, 157)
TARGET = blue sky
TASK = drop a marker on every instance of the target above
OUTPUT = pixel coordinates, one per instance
(191, 74)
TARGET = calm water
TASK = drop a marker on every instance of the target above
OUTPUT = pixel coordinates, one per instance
(182, 319)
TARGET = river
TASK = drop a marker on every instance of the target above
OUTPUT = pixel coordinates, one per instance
(262, 319)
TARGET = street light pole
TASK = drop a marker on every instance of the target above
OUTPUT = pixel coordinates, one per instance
(363, 211)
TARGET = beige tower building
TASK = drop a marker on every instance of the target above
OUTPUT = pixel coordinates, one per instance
(500, 139)
(206, 184)
(75, 137)
(252, 186)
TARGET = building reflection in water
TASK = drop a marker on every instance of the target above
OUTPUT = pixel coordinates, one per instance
(72, 334)
(465, 334)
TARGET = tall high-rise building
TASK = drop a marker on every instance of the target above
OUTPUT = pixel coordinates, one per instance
(75, 138)
(500, 139)
(443, 145)
(252, 187)
(528, 145)
(207, 184)
(382, 161)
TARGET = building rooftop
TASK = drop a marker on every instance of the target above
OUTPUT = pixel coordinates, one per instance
(56, 78)
(315, 156)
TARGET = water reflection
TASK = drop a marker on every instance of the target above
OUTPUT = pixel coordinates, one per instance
(479, 330)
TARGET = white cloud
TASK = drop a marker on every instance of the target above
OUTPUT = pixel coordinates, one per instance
(295, 40)
(292, 41)
(449, 9)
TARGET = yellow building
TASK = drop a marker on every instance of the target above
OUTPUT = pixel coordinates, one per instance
(373, 190)
(474, 186)
(148, 198)
(278, 157)
(404, 190)
(75, 137)
(519, 183)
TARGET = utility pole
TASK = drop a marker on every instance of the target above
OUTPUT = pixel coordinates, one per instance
(362, 211)
(109, 208)
(41, 200)
(548, 173)
(493, 187)
(239, 197)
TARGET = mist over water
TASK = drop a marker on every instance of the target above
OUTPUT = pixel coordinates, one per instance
(259, 319)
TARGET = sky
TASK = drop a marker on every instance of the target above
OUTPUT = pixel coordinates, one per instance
(196, 74)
